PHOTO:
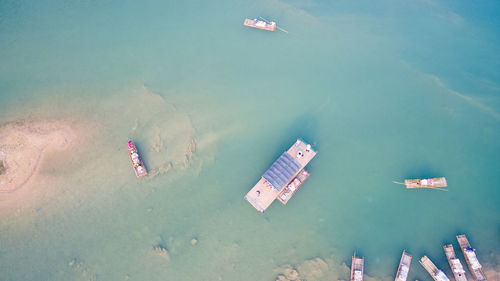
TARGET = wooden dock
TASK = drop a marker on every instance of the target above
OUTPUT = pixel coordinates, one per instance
(283, 178)
(357, 268)
(456, 266)
(260, 24)
(404, 267)
(475, 267)
(426, 183)
(435, 273)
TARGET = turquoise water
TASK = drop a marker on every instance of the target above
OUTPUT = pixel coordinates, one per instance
(384, 92)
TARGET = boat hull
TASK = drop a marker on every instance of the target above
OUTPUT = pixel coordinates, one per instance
(404, 267)
(260, 24)
(426, 183)
(357, 268)
(469, 253)
(139, 167)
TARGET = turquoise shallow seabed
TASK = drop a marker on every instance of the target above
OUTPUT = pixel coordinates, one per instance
(383, 91)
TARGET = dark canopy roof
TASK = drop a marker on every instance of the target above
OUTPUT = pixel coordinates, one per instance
(282, 171)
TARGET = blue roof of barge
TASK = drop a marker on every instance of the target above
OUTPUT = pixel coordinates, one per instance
(282, 171)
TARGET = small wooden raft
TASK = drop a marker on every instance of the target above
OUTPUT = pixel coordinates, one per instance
(137, 164)
(357, 266)
(433, 183)
(475, 267)
(456, 266)
(404, 267)
(435, 273)
(260, 24)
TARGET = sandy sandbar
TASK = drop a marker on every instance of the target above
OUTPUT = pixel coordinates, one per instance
(24, 144)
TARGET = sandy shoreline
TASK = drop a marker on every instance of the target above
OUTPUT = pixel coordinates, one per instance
(23, 147)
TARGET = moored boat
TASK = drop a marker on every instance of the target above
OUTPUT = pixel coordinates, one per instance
(436, 274)
(357, 268)
(404, 267)
(433, 183)
(456, 266)
(475, 267)
(260, 24)
(283, 178)
(138, 165)
(289, 190)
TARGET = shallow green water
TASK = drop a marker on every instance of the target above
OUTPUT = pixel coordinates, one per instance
(383, 92)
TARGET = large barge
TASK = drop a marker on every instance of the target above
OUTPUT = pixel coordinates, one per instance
(137, 164)
(404, 267)
(475, 267)
(283, 178)
(456, 266)
(357, 268)
(436, 274)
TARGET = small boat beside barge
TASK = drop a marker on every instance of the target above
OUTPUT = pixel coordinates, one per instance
(456, 266)
(436, 274)
(292, 187)
(404, 267)
(357, 268)
(260, 24)
(475, 267)
(137, 164)
(432, 183)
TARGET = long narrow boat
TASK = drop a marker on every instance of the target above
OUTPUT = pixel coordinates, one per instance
(404, 267)
(434, 183)
(475, 267)
(260, 24)
(137, 164)
(456, 266)
(435, 273)
(357, 268)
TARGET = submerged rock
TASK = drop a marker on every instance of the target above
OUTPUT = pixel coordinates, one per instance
(157, 144)
(191, 148)
(162, 251)
(289, 273)
(314, 269)
(82, 270)
(281, 278)
(161, 169)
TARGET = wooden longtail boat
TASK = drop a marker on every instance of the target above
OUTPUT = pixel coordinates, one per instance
(404, 267)
(456, 266)
(137, 164)
(475, 267)
(357, 267)
(435, 273)
(260, 24)
(433, 183)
